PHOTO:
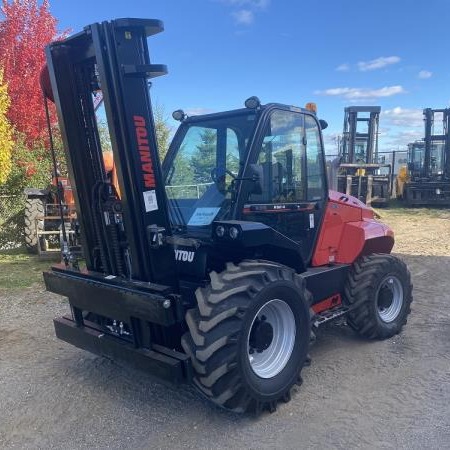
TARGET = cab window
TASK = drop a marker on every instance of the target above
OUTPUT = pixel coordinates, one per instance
(314, 158)
(281, 160)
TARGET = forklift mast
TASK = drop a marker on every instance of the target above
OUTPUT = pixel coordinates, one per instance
(122, 232)
(354, 136)
(360, 172)
(432, 139)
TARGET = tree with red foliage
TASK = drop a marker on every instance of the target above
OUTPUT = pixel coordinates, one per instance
(26, 29)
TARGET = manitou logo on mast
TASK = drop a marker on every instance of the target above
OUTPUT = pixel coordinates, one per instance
(144, 151)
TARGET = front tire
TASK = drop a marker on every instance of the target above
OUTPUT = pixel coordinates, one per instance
(249, 335)
(379, 291)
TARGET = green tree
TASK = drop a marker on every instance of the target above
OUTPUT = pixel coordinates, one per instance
(163, 131)
(6, 132)
(203, 161)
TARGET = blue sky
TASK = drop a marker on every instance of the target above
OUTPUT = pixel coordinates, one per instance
(336, 53)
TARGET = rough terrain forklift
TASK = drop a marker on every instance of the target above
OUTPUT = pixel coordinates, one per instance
(360, 171)
(215, 268)
(428, 170)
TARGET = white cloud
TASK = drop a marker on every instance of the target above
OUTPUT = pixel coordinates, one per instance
(377, 63)
(362, 93)
(254, 4)
(244, 10)
(243, 17)
(405, 126)
(330, 141)
(403, 138)
(343, 67)
(198, 111)
(403, 117)
(424, 74)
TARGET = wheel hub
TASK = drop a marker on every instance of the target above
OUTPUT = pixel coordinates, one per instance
(389, 299)
(261, 335)
(385, 298)
(271, 338)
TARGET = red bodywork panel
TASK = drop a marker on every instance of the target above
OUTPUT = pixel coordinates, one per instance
(349, 230)
(328, 303)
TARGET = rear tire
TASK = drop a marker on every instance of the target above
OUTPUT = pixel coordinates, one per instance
(380, 285)
(249, 335)
(34, 213)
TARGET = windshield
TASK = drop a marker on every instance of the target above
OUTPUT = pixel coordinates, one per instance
(416, 157)
(437, 158)
(204, 163)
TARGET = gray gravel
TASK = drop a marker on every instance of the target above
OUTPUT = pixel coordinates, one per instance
(356, 394)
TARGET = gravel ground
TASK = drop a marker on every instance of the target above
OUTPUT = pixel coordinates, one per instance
(356, 394)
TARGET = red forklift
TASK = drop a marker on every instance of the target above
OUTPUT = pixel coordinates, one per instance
(216, 268)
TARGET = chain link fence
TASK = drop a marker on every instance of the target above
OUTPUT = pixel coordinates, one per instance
(11, 220)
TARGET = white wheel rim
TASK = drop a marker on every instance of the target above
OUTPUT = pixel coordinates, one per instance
(270, 361)
(389, 312)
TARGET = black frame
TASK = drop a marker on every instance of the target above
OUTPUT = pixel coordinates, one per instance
(118, 52)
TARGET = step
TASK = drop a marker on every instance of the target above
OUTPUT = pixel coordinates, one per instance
(329, 314)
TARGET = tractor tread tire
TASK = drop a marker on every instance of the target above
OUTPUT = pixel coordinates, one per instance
(34, 208)
(215, 326)
(361, 288)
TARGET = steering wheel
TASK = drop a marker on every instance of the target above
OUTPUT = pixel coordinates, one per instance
(221, 178)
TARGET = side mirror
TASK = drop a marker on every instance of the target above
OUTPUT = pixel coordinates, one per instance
(256, 179)
(323, 124)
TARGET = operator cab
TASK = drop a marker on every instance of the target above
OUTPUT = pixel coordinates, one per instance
(263, 164)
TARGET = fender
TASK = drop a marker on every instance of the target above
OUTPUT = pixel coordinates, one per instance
(350, 230)
(35, 192)
(368, 236)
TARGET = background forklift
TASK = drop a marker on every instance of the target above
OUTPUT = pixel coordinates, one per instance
(215, 268)
(43, 222)
(428, 171)
(360, 172)
(46, 210)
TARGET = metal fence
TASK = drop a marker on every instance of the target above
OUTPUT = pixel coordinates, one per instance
(11, 220)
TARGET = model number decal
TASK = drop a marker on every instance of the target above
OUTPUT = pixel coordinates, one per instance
(184, 255)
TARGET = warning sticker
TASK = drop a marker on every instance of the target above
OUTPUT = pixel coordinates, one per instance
(203, 216)
(151, 204)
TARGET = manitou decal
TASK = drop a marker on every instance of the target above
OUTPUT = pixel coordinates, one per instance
(144, 151)
(184, 255)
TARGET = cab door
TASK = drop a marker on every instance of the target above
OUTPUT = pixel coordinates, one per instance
(289, 158)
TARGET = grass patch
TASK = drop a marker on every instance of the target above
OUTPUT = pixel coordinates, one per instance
(397, 208)
(19, 270)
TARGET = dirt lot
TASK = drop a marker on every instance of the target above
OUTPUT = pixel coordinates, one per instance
(356, 394)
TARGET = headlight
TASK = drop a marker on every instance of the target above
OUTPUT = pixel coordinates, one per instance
(220, 231)
(234, 232)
